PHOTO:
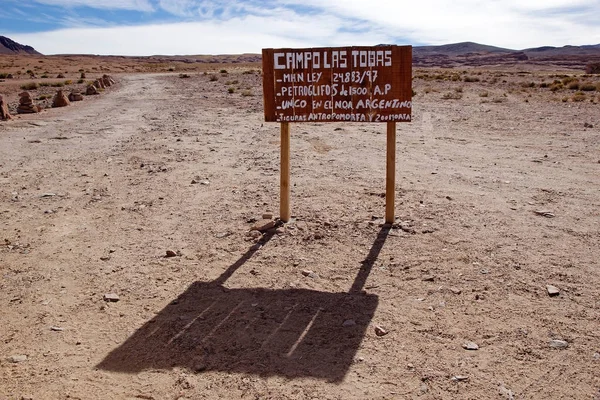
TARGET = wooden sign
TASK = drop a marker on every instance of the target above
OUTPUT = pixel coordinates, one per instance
(345, 84)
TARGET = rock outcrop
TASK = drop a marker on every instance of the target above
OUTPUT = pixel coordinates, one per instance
(75, 96)
(99, 84)
(60, 100)
(4, 114)
(26, 105)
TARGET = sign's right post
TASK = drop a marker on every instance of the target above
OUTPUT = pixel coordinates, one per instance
(390, 186)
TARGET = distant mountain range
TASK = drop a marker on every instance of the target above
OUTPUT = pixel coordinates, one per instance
(9, 46)
(448, 55)
(475, 54)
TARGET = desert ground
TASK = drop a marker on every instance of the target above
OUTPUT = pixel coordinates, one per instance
(498, 196)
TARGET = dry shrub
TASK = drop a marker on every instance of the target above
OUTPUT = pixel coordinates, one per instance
(587, 87)
(579, 96)
(452, 96)
(593, 68)
(574, 85)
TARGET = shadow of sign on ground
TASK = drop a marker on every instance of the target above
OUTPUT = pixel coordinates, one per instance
(285, 332)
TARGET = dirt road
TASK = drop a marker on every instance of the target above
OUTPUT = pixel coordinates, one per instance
(496, 200)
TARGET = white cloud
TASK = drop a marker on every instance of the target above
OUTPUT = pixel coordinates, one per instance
(247, 26)
(138, 5)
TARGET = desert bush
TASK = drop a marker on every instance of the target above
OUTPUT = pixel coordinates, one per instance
(499, 99)
(452, 96)
(29, 71)
(184, 76)
(230, 90)
(484, 94)
(471, 79)
(44, 76)
(223, 71)
(574, 85)
(587, 87)
(568, 80)
(544, 85)
(593, 68)
(213, 78)
(82, 76)
(60, 76)
(30, 86)
(556, 86)
(248, 72)
(247, 93)
(44, 96)
(44, 84)
(579, 96)
(57, 84)
(3, 75)
(68, 82)
(81, 81)
(458, 89)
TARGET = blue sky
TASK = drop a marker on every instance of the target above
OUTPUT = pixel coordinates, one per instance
(170, 27)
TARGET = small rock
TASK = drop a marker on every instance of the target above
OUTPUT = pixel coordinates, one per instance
(410, 366)
(310, 274)
(597, 356)
(56, 329)
(379, 331)
(428, 278)
(348, 323)
(460, 378)
(586, 125)
(559, 344)
(470, 346)
(47, 195)
(267, 215)
(280, 231)
(222, 235)
(506, 393)
(552, 290)
(455, 290)
(545, 213)
(105, 258)
(170, 253)
(26, 397)
(255, 234)
(111, 297)
(263, 225)
(424, 388)
(18, 358)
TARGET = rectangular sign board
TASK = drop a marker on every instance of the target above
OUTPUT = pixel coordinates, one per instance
(352, 84)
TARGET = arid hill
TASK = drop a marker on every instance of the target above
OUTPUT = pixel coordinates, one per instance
(9, 46)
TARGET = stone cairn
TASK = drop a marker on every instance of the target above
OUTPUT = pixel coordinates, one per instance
(26, 105)
(99, 84)
(4, 114)
(60, 100)
(108, 81)
(91, 90)
(75, 96)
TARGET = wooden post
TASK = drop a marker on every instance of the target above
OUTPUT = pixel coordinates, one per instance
(390, 187)
(284, 200)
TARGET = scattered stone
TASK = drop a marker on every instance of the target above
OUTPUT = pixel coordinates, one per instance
(111, 297)
(75, 96)
(428, 278)
(379, 331)
(60, 76)
(91, 90)
(559, 344)
(170, 253)
(280, 231)
(267, 215)
(470, 346)
(56, 329)
(26, 397)
(18, 358)
(4, 114)
(99, 84)
(348, 323)
(460, 378)
(310, 274)
(255, 234)
(455, 290)
(506, 393)
(552, 290)
(424, 388)
(108, 80)
(597, 356)
(263, 225)
(222, 235)
(43, 195)
(105, 258)
(586, 125)
(26, 105)
(545, 213)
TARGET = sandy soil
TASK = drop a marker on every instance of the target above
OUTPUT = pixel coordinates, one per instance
(93, 195)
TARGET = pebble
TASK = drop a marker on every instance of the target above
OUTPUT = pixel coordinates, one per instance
(559, 344)
(379, 331)
(267, 215)
(587, 125)
(310, 274)
(280, 231)
(506, 393)
(349, 322)
(428, 278)
(455, 290)
(597, 356)
(170, 253)
(56, 329)
(470, 346)
(552, 290)
(263, 225)
(111, 297)
(18, 358)
(545, 213)
(460, 378)
(47, 195)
